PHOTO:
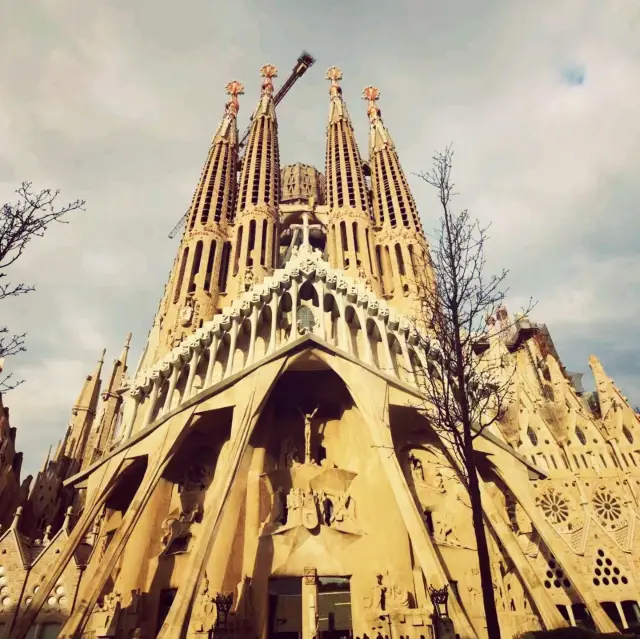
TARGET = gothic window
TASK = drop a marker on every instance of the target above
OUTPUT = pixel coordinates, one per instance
(236, 261)
(355, 237)
(263, 245)
(204, 216)
(224, 267)
(209, 271)
(627, 434)
(581, 436)
(195, 268)
(380, 271)
(368, 241)
(399, 259)
(533, 438)
(251, 243)
(183, 266)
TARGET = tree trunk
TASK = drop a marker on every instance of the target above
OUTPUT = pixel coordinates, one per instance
(486, 578)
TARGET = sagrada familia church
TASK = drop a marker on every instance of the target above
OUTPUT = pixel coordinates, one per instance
(267, 470)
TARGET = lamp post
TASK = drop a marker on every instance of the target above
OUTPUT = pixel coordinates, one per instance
(223, 602)
(443, 625)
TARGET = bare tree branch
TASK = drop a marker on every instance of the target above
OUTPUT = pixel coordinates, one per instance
(465, 387)
(30, 216)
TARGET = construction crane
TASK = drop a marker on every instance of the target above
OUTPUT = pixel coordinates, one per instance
(303, 63)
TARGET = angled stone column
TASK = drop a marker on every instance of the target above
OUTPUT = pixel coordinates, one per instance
(171, 433)
(552, 540)
(370, 394)
(251, 397)
(96, 501)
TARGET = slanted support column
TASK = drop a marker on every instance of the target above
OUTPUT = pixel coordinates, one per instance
(252, 339)
(135, 404)
(371, 396)
(362, 318)
(387, 351)
(213, 352)
(153, 399)
(551, 538)
(232, 347)
(99, 573)
(193, 365)
(173, 380)
(273, 303)
(251, 396)
(550, 615)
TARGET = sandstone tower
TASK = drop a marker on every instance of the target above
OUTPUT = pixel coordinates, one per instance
(266, 471)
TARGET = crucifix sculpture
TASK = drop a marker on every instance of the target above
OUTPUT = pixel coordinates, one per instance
(307, 433)
(306, 227)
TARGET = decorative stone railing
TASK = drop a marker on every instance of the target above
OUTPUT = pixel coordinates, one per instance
(356, 322)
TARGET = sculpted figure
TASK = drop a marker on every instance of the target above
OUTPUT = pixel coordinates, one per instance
(307, 433)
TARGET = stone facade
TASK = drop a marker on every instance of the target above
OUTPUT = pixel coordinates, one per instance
(267, 471)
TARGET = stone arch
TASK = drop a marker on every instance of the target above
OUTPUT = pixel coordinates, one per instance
(308, 292)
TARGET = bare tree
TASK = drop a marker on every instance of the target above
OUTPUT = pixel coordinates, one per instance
(20, 222)
(465, 389)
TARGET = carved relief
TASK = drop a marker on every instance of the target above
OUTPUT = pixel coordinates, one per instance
(311, 509)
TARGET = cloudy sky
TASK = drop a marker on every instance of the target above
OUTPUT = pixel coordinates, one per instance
(115, 102)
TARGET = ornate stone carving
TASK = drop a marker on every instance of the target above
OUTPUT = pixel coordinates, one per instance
(607, 507)
(186, 313)
(307, 434)
(554, 506)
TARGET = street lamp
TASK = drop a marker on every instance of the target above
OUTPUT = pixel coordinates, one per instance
(223, 603)
(439, 598)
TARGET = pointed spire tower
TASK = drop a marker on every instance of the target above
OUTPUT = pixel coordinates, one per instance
(82, 417)
(102, 436)
(402, 254)
(200, 272)
(350, 216)
(255, 246)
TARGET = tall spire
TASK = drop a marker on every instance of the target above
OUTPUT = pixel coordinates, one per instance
(401, 248)
(101, 436)
(256, 233)
(83, 415)
(200, 273)
(350, 217)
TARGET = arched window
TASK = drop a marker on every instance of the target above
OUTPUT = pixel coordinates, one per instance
(581, 436)
(627, 434)
(533, 438)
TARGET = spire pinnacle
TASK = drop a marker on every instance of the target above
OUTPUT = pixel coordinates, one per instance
(372, 94)
(268, 72)
(334, 74)
(234, 89)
